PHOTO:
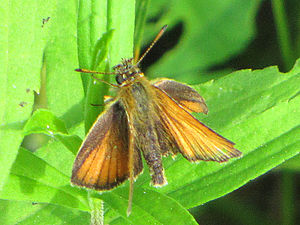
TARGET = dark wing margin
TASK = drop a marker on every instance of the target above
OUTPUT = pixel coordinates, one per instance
(102, 161)
(184, 95)
(194, 140)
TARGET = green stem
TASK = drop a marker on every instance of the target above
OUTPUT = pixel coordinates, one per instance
(97, 212)
(92, 23)
(287, 202)
(94, 90)
(283, 33)
(96, 17)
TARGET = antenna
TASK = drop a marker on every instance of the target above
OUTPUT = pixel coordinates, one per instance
(158, 36)
(95, 72)
(96, 78)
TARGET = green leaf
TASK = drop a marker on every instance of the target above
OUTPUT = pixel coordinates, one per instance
(213, 31)
(64, 91)
(19, 212)
(94, 37)
(42, 180)
(58, 146)
(92, 24)
(20, 68)
(101, 49)
(149, 207)
(121, 44)
(53, 45)
(259, 111)
(32, 179)
(291, 165)
(97, 90)
(43, 121)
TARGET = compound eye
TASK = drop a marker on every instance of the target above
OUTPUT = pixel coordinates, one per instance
(120, 79)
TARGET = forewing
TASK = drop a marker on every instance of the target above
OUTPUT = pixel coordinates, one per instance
(194, 139)
(184, 95)
(102, 161)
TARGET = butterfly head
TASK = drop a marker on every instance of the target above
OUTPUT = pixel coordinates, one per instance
(126, 71)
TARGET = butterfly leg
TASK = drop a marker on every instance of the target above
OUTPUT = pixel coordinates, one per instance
(131, 168)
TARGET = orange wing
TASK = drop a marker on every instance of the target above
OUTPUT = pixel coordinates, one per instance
(194, 139)
(102, 161)
(183, 94)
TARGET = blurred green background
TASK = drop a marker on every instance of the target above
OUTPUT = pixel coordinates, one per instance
(206, 39)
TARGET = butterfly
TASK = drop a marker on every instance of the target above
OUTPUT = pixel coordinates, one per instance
(145, 119)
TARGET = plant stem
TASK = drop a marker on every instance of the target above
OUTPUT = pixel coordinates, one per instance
(95, 17)
(97, 212)
(283, 34)
(91, 25)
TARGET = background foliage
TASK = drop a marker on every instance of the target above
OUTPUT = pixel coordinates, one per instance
(45, 101)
